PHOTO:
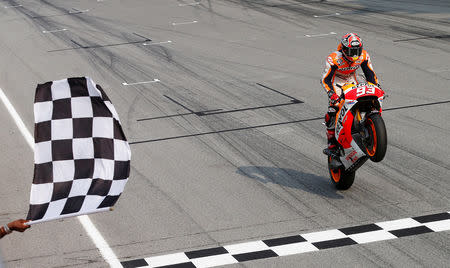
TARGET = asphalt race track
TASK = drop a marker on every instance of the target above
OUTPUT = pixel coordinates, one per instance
(221, 102)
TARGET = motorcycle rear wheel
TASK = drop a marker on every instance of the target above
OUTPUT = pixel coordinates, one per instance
(377, 143)
(341, 179)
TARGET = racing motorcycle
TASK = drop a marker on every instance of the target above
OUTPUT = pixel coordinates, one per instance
(360, 132)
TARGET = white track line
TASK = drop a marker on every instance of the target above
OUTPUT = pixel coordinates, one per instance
(13, 6)
(78, 11)
(319, 35)
(439, 70)
(189, 4)
(183, 23)
(100, 242)
(140, 83)
(55, 31)
(89, 227)
(23, 129)
(158, 43)
(329, 15)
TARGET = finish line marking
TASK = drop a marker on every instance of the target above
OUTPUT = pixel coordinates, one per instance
(139, 83)
(297, 244)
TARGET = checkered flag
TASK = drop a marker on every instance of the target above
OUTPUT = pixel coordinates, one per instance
(82, 158)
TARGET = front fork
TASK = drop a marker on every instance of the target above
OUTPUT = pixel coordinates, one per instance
(359, 122)
(360, 125)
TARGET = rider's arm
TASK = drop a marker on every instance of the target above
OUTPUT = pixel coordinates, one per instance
(367, 68)
(328, 75)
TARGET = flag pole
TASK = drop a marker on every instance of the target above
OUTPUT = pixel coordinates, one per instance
(70, 215)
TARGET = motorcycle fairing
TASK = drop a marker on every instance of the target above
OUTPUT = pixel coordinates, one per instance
(351, 149)
(352, 155)
(344, 122)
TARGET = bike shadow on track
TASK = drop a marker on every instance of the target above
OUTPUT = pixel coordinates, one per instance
(291, 178)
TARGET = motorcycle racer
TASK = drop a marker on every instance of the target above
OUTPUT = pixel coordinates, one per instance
(341, 67)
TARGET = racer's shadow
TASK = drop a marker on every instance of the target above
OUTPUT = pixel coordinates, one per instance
(291, 178)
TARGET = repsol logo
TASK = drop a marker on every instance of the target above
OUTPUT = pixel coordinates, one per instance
(351, 157)
(349, 68)
(340, 118)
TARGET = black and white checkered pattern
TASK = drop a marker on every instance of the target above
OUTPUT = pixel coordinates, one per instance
(297, 244)
(82, 158)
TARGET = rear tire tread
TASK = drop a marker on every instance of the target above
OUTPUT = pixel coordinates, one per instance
(346, 180)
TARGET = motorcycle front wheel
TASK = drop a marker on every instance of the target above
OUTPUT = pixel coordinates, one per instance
(341, 179)
(376, 143)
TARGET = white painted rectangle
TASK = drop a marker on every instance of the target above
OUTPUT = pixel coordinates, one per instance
(140, 83)
(324, 236)
(398, 224)
(189, 4)
(439, 226)
(157, 43)
(294, 248)
(212, 261)
(167, 259)
(372, 236)
(183, 23)
(246, 247)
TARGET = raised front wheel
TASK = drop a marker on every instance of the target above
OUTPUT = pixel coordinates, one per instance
(376, 143)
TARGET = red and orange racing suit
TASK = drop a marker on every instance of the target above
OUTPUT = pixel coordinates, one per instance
(339, 70)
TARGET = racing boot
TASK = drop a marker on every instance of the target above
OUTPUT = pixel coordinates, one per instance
(332, 149)
(330, 117)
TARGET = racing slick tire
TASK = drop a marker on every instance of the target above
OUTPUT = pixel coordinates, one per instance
(376, 144)
(341, 179)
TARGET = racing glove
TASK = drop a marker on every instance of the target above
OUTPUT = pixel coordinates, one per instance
(334, 98)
